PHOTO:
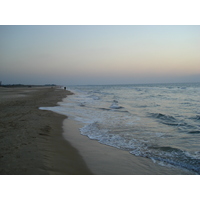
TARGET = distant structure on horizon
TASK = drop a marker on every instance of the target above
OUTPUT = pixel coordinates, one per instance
(0, 83)
(50, 84)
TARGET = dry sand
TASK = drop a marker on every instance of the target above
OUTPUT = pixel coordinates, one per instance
(31, 140)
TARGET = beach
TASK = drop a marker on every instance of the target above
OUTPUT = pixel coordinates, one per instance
(106, 160)
(31, 141)
(42, 142)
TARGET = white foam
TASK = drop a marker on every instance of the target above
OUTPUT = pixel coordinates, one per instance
(96, 132)
(115, 106)
(158, 134)
(94, 97)
(93, 131)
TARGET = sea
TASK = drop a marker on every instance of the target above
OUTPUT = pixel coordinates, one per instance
(160, 122)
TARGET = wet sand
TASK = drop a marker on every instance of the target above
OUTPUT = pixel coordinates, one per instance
(106, 160)
(31, 141)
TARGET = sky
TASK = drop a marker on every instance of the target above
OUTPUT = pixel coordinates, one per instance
(76, 55)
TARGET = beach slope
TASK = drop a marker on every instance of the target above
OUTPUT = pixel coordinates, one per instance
(31, 141)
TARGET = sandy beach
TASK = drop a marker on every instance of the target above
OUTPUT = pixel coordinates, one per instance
(31, 141)
(40, 142)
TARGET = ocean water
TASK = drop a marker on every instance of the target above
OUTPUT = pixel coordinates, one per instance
(157, 121)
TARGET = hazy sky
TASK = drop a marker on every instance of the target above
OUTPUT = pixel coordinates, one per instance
(99, 54)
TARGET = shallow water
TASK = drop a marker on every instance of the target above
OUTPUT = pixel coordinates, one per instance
(158, 121)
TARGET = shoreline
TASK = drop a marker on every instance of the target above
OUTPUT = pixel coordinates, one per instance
(43, 142)
(106, 160)
(102, 159)
(31, 139)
